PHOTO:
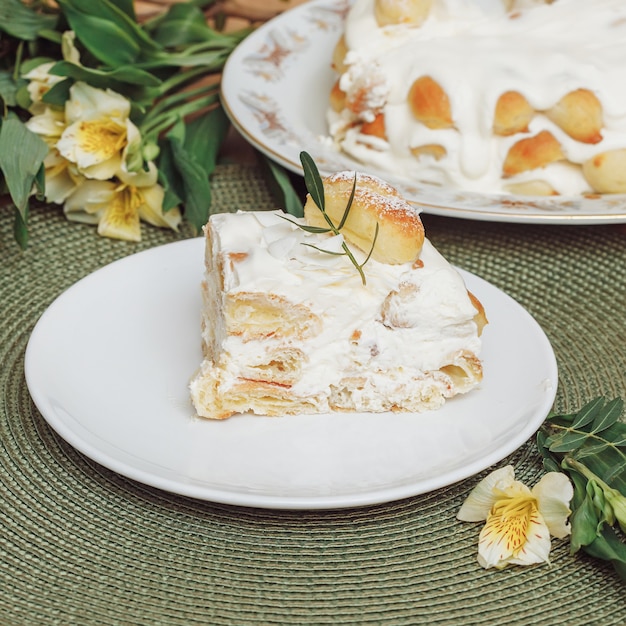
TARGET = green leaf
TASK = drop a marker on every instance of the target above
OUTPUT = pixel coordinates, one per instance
(592, 449)
(20, 230)
(619, 442)
(115, 78)
(21, 155)
(117, 15)
(609, 547)
(313, 180)
(17, 20)
(346, 212)
(588, 447)
(127, 7)
(204, 137)
(584, 523)
(97, 34)
(8, 88)
(588, 413)
(283, 191)
(211, 60)
(608, 416)
(59, 93)
(182, 24)
(550, 465)
(319, 249)
(615, 475)
(568, 441)
(196, 190)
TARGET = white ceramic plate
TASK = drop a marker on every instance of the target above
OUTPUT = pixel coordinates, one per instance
(275, 90)
(108, 365)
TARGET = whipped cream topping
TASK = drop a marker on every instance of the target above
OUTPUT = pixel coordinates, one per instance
(405, 320)
(476, 51)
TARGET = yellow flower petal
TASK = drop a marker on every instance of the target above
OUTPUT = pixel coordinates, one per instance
(68, 47)
(40, 82)
(537, 547)
(514, 533)
(49, 124)
(120, 219)
(141, 178)
(554, 492)
(151, 209)
(88, 201)
(95, 146)
(61, 179)
(480, 500)
(88, 103)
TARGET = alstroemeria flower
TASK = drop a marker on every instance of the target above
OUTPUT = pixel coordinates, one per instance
(48, 123)
(40, 79)
(519, 520)
(40, 82)
(118, 206)
(62, 177)
(98, 131)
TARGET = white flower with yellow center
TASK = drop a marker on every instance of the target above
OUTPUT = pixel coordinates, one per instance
(118, 206)
(49, 124)
(520, 521)
(61, 175)
(98, 131)
(40, 79)
(40, 82)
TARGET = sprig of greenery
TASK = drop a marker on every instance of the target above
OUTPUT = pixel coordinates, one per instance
(315, 187)
(156, 65)
(590, 446)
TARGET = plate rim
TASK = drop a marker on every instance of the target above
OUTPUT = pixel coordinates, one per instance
(377, 495)
(229, 95)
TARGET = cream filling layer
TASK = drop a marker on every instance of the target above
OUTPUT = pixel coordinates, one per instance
(403, 322)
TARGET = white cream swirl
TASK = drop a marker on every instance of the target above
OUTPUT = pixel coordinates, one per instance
(476, 51)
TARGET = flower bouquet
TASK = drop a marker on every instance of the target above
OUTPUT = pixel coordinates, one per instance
(117, 121)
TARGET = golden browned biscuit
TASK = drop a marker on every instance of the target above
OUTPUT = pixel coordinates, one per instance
(481, 317)
(579, 114)
(430, 104)
(376, 127)
(531, 153)
(432, 150)
(412, 12)
(512, 114)
(339, 55)
(531, 188)
(606, 172)
(400, 230)
(337, 98)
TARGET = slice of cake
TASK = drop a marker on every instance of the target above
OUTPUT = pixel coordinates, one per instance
(300, 319)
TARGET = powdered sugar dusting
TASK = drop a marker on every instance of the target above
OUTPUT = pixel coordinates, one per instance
(382, 197)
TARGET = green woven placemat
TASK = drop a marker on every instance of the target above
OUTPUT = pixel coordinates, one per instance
(80, 544)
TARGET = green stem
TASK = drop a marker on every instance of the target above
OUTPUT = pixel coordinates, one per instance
(181, 78)
(167, 118)
(175, 99)
(209, 62)
(588, 435)
(582, 469)
(18, 60)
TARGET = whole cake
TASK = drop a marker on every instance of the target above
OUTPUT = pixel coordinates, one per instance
(512, 96)
(293, 324)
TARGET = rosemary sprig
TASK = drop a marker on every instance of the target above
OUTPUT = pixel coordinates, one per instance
(315, 187)
(590, 446)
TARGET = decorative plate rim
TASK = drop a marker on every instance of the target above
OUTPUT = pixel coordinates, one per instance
(275, 89)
